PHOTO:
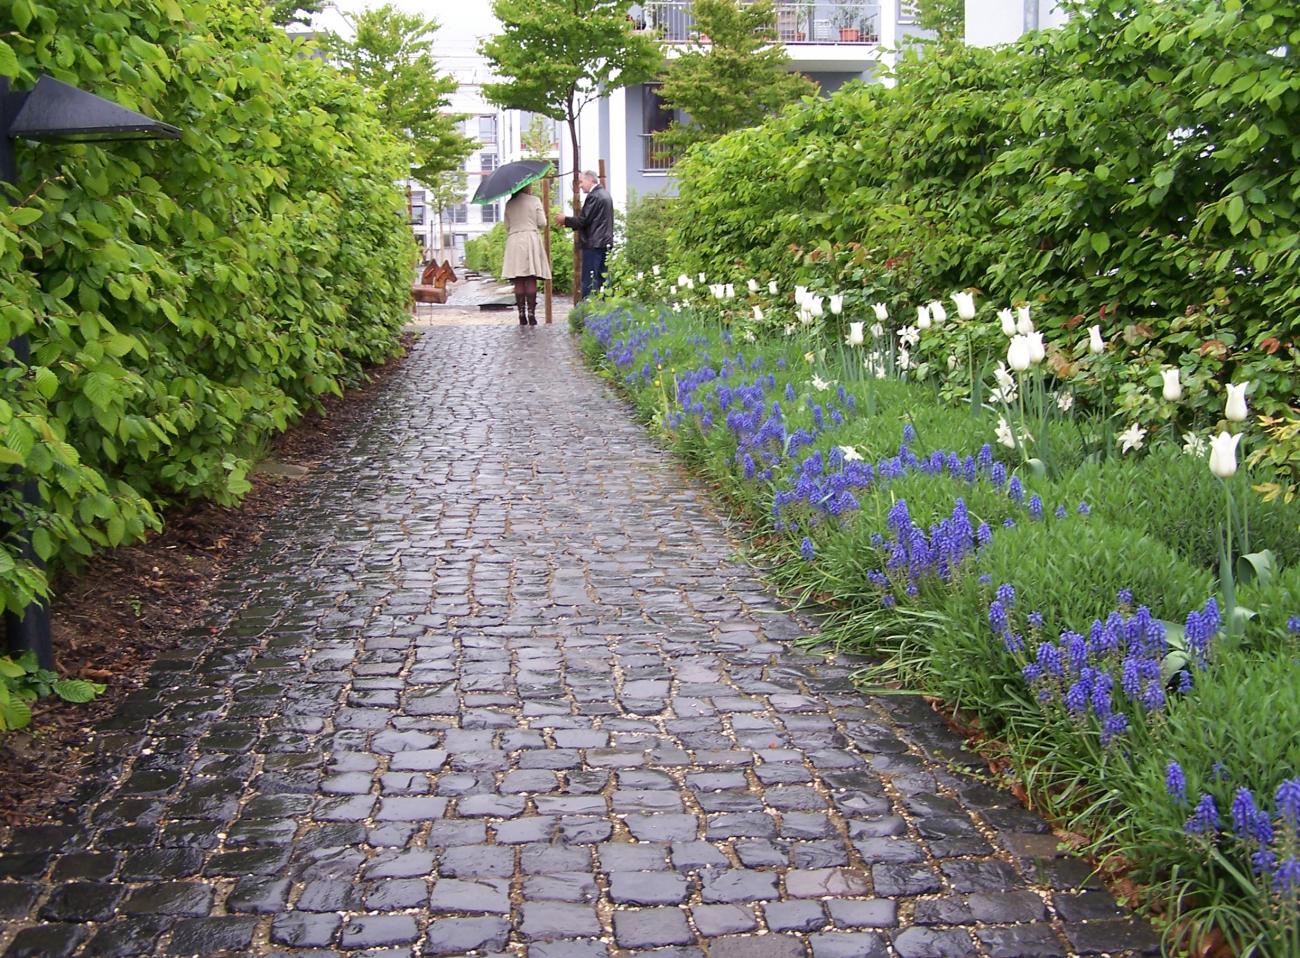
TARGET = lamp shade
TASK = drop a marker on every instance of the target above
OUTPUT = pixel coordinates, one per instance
(55, 110)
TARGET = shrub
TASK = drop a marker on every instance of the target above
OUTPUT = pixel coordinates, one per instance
(183, 300)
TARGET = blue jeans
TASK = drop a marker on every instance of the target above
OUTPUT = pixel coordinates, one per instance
(593, 270)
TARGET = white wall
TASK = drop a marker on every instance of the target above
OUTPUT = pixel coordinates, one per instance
(992, 22)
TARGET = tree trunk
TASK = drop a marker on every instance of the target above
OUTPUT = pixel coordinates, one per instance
(577, 202)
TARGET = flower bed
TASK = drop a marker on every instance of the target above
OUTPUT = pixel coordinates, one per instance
(1077, 607)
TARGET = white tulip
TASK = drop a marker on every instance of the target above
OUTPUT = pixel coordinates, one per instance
(683, 280)
(758, 315)
(1236, 407)
(800, 292)
(1173, 389)
(1018, 354)
(837, 304)
(753, 285)
(855, 334)
(815, 303)
(702, 279)
(953, 362)
(938, 313)
(1008, 321)
(771, 287)
(717, 290)
(1024, 326)
(655, 269)
(1037, 351)
(640, 277)
(877, 330)
(1095, 343)
(882, 313)
(729, 291)
(672, 290)
(923, 317)
(1223, 454)
(965, 305)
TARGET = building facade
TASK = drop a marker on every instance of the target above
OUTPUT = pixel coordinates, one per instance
(830, 41)
(993, 22)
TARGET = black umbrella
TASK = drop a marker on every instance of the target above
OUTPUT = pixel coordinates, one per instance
(510, 179)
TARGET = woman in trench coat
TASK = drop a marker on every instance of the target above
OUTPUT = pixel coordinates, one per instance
(525, 257)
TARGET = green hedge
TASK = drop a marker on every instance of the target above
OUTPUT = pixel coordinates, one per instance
(184, 300)
(1136, 168)
(487, 252)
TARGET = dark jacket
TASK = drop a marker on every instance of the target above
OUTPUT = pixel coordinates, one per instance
(595, 224)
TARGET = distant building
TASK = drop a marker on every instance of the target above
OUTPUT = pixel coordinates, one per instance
(830, 41)
(992, 22)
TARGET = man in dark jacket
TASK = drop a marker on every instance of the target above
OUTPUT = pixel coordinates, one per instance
(595, 226)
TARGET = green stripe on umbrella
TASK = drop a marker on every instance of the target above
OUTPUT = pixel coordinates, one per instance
(510, 179)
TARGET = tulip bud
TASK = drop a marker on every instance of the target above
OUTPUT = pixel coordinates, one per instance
(1008, 322)
(882, 313)
(683, 280)
(938, 313)
(1236, 407)
(1223, 454)
(1024, 326)
(965, 305)
(702, 279)
(1173, 389)
(729, 291)
(800, 293)
(837, 304)
(753, 286)
(771, 287)
(855, 337)
(877, 330)
(1037, 351)
(758, 314)
(1095, 343)
(655, 269)
(1018, 354)
(923, 317)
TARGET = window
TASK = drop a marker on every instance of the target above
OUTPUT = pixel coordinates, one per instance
(487, 162)
(491, 213)
(458, 213)
(655, 118)
(487, 129)
(417, 207)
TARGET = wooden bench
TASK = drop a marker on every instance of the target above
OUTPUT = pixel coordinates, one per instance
(432, 287)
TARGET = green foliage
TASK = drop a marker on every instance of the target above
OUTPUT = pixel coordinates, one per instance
(391, 54)
(184, 300)
(640, 234)
(284, 13)
(23, 681)
(732, 75)
(947, 18)
(1131, 169)
(486, 253)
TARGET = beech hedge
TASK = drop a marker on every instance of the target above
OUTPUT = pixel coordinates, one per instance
(185, 300)
(1137, 168)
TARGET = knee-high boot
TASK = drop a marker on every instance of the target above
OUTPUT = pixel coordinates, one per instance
(532, 309)
(520, 299)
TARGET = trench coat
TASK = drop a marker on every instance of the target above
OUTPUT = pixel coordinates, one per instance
(525, 255)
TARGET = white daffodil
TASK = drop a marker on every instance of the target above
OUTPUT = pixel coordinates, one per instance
(1024, 326)
(1004, 394)
(875, 364)
(909, 336)
(904, 359)
(837, 304)
(810, 357)
(1172, 389)
(1004, 377)
(1235, 410)
(683, 280)
(1004, 434)
(965, 305)
(1064, 401)
(877, 330)
(938, 313)
(790, 329)
(1131, 438)
(1008, 321)
(855, 337)
(850, 454)
(748, 336)
(1018, 355)
(819, 384)
(1194, 445)
(881, 311)
(1223, 454)
(1095, 343)
(923, 317)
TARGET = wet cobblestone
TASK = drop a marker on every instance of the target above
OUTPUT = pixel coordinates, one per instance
(496, 685)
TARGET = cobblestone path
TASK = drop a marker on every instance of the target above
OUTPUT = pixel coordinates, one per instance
(496, 686)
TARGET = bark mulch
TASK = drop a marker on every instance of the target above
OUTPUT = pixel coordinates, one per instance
(113, 617)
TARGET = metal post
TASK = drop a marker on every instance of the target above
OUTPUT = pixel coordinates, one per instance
(546, 240)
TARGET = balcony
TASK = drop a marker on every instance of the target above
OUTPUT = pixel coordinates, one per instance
(655, 156)
(797, 21)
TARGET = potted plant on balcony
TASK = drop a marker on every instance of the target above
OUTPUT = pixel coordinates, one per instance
(846, 18)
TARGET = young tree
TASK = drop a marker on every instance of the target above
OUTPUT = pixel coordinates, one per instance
(286, 13)
(556, 56)
(732, 76)
(447, 190)
(947, 18)
(391, 54)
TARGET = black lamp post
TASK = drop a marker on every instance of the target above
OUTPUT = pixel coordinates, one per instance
(53, 110)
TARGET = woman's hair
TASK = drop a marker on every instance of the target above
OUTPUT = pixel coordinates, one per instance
(526, 189)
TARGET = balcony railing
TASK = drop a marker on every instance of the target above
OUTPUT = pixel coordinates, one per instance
(797, 21)
(655, 156)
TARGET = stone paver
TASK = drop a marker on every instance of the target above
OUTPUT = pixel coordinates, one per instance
(495, 685)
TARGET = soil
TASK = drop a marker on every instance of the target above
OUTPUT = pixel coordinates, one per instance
(113, 617)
